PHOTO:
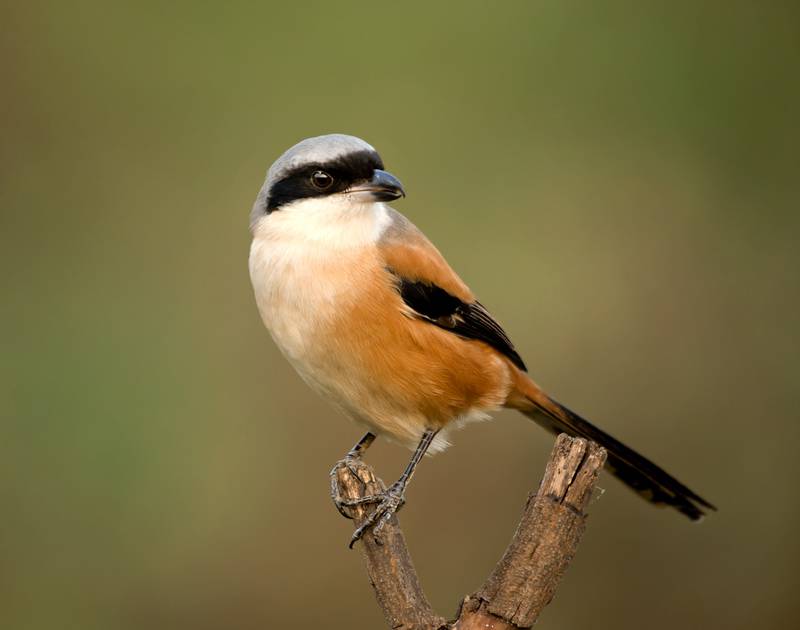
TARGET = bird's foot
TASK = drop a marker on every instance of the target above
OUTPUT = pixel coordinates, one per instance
(389, 503)
(350, 463)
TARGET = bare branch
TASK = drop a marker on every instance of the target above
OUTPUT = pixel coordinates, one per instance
(388, 562)
(525, 579)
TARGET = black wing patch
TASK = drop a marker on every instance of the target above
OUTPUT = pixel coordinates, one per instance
(472, 321)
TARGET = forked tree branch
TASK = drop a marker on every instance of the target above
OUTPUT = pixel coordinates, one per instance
(525, 579)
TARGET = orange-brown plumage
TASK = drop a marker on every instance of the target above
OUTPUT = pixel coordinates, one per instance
(408, 251)
(408, 374)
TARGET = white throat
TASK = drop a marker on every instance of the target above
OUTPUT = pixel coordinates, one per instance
(327, 223)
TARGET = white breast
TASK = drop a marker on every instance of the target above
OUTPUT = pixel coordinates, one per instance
(305, 261)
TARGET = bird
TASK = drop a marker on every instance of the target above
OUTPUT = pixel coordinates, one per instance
(372, 317)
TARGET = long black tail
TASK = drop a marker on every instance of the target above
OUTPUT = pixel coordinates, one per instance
(643, 476)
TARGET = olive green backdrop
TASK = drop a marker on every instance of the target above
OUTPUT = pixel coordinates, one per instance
(616, 180)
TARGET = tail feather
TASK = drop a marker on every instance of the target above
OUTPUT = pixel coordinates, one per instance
(646, 478)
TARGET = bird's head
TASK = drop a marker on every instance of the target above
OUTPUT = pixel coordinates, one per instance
(337, 167)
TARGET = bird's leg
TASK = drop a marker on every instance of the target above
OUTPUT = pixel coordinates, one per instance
(347, 462)
(392, 500)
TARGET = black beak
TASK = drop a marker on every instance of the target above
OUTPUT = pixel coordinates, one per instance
(382, 187)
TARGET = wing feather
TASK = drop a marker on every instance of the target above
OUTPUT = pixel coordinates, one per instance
(470, 320)
(434, 292)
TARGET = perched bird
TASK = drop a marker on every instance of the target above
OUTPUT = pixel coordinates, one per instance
(371, 316)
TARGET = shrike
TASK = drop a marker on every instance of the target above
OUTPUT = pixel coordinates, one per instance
(371, 315)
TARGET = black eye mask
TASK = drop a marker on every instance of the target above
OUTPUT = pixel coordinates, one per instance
(346, 170)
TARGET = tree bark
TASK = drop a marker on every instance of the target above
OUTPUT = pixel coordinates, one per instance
(524, 580)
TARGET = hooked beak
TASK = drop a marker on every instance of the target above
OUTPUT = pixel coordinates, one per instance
(382, 187)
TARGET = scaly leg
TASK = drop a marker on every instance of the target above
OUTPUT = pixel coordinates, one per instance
(392, 500)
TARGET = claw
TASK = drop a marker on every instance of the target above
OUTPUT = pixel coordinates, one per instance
(390, 503)
(336, 496)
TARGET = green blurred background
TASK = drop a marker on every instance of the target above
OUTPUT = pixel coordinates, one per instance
(633, 166)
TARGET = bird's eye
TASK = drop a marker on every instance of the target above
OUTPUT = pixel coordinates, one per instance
(321, 180)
